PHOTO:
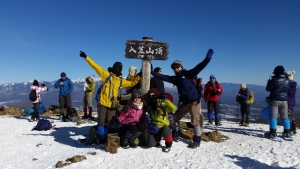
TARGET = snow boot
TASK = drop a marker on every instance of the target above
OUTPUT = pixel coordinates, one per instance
(271, 134)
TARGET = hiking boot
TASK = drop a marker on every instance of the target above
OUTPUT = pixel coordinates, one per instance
(194, 145)
(245, 125)
(240, 123)
(90, 117)
(175, 135)
(132, 145)
(157, 144)
(271, 135)
(209, 122)
(217, 123)
(31, 119)
(85, 117)
(37, 119)
(286, 135)
(64, 119)
(124, 145)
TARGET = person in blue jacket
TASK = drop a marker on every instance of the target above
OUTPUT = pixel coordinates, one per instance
(278, 86)
(188, 95)
(65, 86)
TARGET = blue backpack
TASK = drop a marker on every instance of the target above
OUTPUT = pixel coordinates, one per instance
(97, 97)
(43, 125)
(27, 112)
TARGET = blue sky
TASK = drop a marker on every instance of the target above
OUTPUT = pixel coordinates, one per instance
(41, 39)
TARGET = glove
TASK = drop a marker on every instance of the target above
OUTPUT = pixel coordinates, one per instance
(82, 54)
(43, 85)
(126, 108)
(209, 54)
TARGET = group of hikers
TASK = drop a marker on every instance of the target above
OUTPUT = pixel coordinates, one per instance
(156, 113)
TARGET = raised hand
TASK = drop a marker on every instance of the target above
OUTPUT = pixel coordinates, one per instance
(82, 54)
(209, 54)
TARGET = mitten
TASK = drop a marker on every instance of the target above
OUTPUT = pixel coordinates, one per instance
(43, 85)
(82, 54)
(209, 54)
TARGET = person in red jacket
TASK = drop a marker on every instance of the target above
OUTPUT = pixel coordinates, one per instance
(212, 91)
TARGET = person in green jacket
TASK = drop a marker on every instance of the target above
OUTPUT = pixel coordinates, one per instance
(89, 88)
(158, 107)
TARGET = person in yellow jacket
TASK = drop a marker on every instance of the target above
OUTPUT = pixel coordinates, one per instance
(108, 103)
(89, 88)
(158, 107)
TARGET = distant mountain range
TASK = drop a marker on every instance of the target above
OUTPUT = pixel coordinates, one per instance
(16, 94)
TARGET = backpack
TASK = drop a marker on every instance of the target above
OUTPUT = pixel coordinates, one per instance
(32, 95)
(27, 112)
(72, 114)
(43, 125)
(251, 97)
(97, 97)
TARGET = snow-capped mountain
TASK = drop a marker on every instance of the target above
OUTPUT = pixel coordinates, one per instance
(16, 94)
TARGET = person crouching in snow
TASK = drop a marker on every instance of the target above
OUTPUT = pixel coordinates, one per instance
(36, 104)
(89, 88)
(131, 120)
(158, 108)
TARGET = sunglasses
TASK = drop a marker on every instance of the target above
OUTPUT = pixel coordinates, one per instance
(137, 97)
(175, 67)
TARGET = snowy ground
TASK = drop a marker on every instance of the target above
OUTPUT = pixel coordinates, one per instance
(245, 149)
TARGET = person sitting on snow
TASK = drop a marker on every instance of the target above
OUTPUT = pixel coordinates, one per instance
(132, 120)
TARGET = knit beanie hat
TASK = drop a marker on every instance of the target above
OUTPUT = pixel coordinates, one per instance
(290, 74)
(35, 83)
(118, 65)
(243, 85)
(157, 69)
(279, 70)
(176, 62)
(63, 74)
(212, 76)
(136, 93)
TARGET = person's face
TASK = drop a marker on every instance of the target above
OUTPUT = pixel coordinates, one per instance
(160, 71)
(90, 79)
(176, 68)
(212, 80)
(243, 89)
(137, 99)
(63, 78)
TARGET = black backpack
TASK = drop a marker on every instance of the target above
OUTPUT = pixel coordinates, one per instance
(32, 95)
(72, 114)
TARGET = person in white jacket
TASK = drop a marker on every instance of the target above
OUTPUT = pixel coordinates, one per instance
(36, 104)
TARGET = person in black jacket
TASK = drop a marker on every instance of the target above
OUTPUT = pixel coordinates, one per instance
(156, 82)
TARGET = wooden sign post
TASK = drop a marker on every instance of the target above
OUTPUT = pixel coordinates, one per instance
(146, 50)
